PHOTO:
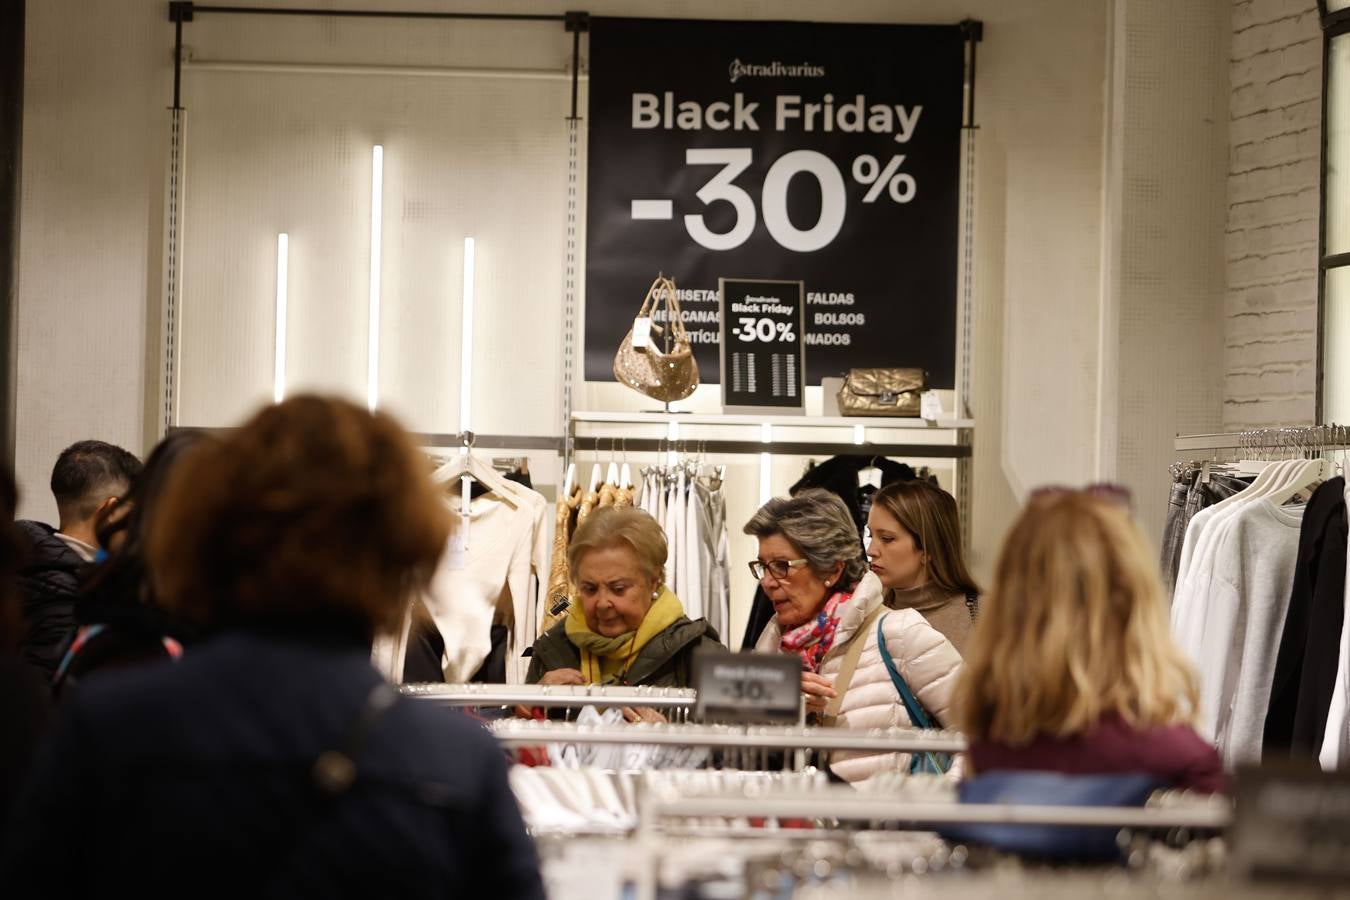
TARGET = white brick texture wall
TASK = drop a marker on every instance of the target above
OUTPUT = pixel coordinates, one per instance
(1270, 321)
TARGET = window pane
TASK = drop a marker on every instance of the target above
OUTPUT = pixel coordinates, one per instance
(1336, 346)
(1338, 145)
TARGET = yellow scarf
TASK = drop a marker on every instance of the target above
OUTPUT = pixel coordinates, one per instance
(604, 659)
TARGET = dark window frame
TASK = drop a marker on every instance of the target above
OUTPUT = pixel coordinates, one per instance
(1334, 25)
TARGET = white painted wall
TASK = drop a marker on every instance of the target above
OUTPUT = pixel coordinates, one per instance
(1270, 360)
(1166, 191)
(1081, 370)
(96, 84)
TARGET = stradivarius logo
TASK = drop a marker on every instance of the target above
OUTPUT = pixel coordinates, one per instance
(775, 69)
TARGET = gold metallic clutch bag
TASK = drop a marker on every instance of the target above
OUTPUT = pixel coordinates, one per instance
(661, 376)
(881, 392)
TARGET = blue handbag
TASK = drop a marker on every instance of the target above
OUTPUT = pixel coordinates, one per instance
(1051, 842)
(919, 763)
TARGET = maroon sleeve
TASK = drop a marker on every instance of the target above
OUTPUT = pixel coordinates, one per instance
(1202, 769)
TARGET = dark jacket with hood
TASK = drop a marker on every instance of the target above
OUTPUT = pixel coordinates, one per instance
(667, 660)
(198, 777)
(49, 581)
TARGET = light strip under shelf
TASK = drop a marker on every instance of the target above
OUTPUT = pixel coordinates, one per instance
(279, 359)
(466, 340)
(376, 226)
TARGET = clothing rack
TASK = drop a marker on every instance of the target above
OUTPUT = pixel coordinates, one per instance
(443, 440)
(472, 439)
(1290, 439)
(515, 733)
(847, 803)
(549, 695)
(956, 431)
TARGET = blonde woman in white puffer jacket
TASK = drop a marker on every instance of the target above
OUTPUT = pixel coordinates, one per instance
(812, 568)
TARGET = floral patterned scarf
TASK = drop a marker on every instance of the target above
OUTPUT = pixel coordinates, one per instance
(813, 639)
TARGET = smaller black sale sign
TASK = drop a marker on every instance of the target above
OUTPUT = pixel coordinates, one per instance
(762, 339)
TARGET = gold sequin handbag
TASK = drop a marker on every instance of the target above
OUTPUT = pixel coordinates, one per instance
(881, 392)
(661, 376)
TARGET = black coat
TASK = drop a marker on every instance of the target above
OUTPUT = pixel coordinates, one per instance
(1306, 665)
(49, 580)
(667, 660)
(196, 778)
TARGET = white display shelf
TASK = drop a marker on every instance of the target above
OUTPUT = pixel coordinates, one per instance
(662, 418)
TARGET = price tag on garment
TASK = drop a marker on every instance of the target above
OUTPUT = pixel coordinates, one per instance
(642, 332)
(763, 688)
(1292, 823)
(930, 406)
(457, 552)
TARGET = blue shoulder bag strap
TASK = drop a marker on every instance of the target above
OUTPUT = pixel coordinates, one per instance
(918, 716)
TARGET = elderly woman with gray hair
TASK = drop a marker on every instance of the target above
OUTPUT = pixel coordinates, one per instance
(856, 654)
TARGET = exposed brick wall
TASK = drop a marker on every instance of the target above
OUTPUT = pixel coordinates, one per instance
(1270, 327)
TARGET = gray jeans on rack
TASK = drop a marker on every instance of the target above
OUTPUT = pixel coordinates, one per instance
(1184, 501)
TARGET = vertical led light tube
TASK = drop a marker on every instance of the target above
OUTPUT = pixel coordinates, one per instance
(279, 360)
(466, 340)
(765, 465)
(376, 226)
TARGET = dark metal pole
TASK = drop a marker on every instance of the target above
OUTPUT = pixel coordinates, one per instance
(576, 22)
(973, 29)
(179, 12)
(377, 13)
(11, 146)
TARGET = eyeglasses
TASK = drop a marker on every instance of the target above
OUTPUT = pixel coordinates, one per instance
(778, 568)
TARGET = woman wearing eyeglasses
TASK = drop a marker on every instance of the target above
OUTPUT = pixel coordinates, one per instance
(829, 610)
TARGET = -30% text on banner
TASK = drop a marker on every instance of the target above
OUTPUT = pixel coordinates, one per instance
(867, 170)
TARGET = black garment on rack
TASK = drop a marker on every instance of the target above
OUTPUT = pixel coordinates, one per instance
(838, 475)
(478, 489)
(1305, 669)
(426, 649)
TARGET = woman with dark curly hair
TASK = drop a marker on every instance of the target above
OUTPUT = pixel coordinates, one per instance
(273, 759)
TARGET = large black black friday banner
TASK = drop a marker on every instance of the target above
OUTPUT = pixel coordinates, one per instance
(828, 154)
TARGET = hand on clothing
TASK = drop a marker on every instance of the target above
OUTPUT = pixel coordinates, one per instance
(643, 714)
(819, 691)
(562, 676)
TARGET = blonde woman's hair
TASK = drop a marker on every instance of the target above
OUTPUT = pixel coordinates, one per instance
(614, 526)
(1073, 628)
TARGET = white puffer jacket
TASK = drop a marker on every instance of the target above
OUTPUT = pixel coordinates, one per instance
(927, 661)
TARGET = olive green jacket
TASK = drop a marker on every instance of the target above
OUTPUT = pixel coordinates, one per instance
(667, 660)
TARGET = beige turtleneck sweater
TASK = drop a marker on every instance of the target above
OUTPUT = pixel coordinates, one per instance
(946, 612)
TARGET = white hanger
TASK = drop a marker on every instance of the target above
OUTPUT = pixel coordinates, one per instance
(625, 476)
(1308, 473)
(1272, 477)
(595, 480)
(468, 464)
(870, 474)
